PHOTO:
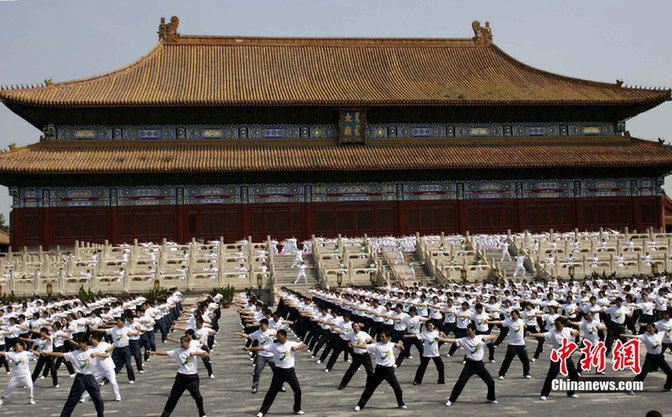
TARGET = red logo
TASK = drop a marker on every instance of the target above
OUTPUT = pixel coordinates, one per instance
(626, 355)
(593, 356)
(562, 353)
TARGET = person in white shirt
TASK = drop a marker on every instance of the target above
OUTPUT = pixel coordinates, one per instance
(187, 375)
(359, 356)
(302, 273)
(589, 327)
(384, 351)
(400, 254)
(84, 363)
(122, 352)
(520, 261)
(616, 322)
(665, 325)
(44, 343)
(653, 341)
(505, 250)
(105, 369)
(21, 371)
(555, 336)
(263, 336)
(283, 355)
(430, 350)
(473, 346)
(298, 258)
(516, 345)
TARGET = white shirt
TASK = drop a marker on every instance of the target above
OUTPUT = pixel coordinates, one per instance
(473, 347)
(516, 331)
(665, 326)
(653, 342)
(283, 355)
(359, 338)
(430, 343)
(81, 361)
(104, 364)
(264, 339)
(119, 336)
(44, 345)
(480, 321)
(589, 329)
(384, 353)
(617, 314)
(20, 362)
(186, 364)
(555, 337)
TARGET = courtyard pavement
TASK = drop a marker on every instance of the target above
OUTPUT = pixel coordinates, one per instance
(229, 394)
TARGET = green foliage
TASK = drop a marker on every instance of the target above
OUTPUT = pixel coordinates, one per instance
(8, 299)
(603, 276)
(153, 294)
(87, 295)
(227, 293)
(3, 223)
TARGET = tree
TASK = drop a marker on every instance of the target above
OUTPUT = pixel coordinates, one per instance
(3, 226)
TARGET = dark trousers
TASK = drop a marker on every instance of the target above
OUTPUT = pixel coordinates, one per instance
(280, 376)
(336, 345)
(3, 361)
(491, 348)
(381, 373)
(206, 361)
(122, 357)
(644, 319)
(653, 362)
(47, 362)
(134, 346)
(164, 327)
(503, 332)
(512, 351)
(146, 343)
(324, 338)
(471, 368)
(152, 343)
(424, 361)
(184, 382)
(408, 342)
(83, 383)
(540, 342)
(459, 333)
(614, 331)
(553, 372)
(357, 360)
(68, 365)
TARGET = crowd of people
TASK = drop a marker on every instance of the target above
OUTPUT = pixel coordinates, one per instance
(375, 330)
(96, 340)
(378, 329)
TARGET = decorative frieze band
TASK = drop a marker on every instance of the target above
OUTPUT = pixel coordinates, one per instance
(325, 131)
(30, 197)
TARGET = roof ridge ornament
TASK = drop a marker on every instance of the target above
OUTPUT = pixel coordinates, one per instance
(482, 35)
(168, 31)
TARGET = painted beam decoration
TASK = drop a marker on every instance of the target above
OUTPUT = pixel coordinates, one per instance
(355, 128)
(225, 194)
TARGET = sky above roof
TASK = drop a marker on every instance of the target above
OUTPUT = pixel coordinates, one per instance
(600, 40)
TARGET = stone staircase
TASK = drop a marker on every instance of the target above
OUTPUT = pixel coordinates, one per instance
(422, 274)
(507, 267)
(285, 275)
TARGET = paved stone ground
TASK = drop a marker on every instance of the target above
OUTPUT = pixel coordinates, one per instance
(229, 394)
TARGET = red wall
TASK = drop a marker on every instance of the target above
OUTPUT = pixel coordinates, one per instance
(62, 226)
